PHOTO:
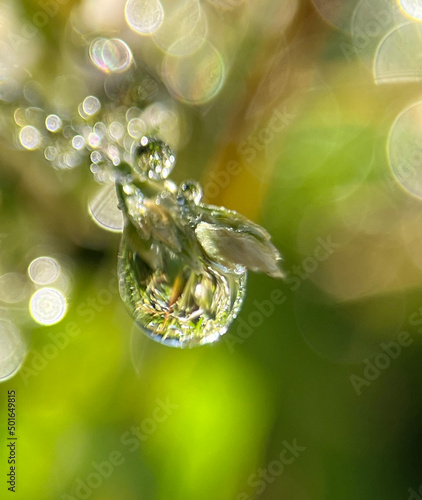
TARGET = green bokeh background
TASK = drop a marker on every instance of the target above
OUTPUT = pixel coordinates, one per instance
(288, 374)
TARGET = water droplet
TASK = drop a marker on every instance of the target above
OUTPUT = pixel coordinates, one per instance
(110, 55)
(191, 191)
(154, 159)
(144, 16)
(91, 105)
(30, 138)
(182, 264)
(175, 294)
(53, 123)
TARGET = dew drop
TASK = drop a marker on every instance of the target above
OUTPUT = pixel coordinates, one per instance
(110, 55)
(175, 294)
(154, 159)
(182, 264)
(191, 191)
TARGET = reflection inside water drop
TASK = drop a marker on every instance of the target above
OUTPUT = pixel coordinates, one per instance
(413, 8)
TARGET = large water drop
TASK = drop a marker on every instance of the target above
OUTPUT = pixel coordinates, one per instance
(182, 263)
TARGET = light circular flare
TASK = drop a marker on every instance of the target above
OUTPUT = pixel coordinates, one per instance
(413, 8)
(12, 349)
(12, 288)
(44, 270)
(371, 21)
(91, 105)
(53, 123)
(136, 128)
(144, 16)
(48, 306)
(394, 61)
(195, 79)
(184, 29)
(30, 137)
(404, 149)
(110, 55)
(103, 209)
